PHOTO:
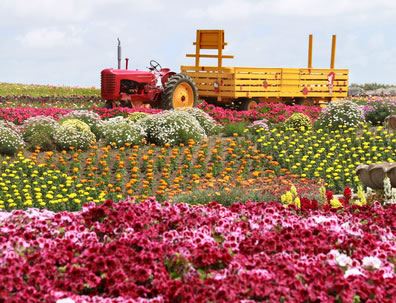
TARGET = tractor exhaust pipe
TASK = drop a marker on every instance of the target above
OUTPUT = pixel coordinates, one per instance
(119, 53)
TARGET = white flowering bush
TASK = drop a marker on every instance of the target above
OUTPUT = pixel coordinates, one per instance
(91, 118)
(32, 124)
(340, 113)
(172, 127)
(119, 133)
(38, 131)
(10, 125)
(73, 133)
(10, 140)
(210, 126)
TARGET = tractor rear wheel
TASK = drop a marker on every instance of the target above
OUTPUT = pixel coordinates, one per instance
(179, 91)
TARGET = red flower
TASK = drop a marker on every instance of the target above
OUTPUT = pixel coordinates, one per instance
(329, 195)
(347, 194)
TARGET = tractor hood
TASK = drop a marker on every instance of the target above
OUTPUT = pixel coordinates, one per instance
(134, 75)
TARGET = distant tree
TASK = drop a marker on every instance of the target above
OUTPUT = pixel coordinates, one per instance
(371, 86)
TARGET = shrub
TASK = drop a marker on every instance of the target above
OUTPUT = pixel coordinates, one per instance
(118, 134)
(340, 113)
(10, 140)
(41, 135)
(172, 127)
(258, 128)
(135, 116)
(210, 126)
(298, 121)
(223, 197)
(235, 128)
(30, 125)
(10, 125)
(376, 111)
(73, 133)
(91, 118)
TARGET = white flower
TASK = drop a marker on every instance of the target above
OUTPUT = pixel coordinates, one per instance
(343, 260)
(372, 262)
(65, 300)
(340, 259)
(353, 272)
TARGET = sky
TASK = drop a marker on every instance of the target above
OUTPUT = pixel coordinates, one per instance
(68, 42)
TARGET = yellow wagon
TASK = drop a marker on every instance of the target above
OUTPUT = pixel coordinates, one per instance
(250, 85)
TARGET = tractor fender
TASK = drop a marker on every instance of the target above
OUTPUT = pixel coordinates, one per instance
(165, 77)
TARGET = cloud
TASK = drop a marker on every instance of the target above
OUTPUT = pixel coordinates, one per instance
(237, 10)
(79, 36)
(49, 38)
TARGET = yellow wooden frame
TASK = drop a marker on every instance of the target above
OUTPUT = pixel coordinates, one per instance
(229, 83)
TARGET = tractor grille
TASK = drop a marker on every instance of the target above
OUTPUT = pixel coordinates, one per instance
(108, 83)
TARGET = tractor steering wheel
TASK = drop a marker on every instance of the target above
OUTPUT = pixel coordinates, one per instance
(154, 65)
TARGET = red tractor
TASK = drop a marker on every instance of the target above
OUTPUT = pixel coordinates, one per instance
(158, 87)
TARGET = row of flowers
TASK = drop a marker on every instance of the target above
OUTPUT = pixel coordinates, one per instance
(273, 112)
(167, 172)
(332, 156)
(36, 90)
(19, 108)
(152, 252)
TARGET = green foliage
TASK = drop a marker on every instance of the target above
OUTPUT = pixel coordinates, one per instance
(118, 134)
(298, 121)
(41, 135)
(172, 127)
(44, 123)
(226, 198)
(376, 112)
(338, 114)
(134, 117)
(235, 128)
(10, 140)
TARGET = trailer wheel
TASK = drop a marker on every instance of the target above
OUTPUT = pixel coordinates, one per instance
(180, 91)
(248, 103)
(305, 101)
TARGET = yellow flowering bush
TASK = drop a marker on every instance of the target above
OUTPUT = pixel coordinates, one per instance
(298, 121)
(73, 133)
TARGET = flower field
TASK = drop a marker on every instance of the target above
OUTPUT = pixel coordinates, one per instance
(202, 205)
(153, 252)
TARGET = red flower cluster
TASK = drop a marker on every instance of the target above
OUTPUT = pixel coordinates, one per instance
(152, 252)
(273, 112)
(19, 114)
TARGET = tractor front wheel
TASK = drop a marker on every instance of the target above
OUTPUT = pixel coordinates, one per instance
(108, 105)
(179, 91)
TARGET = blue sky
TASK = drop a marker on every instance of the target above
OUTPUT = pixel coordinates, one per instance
(68, 42)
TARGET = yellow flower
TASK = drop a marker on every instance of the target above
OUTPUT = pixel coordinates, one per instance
(297, 202)
(335, 203)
